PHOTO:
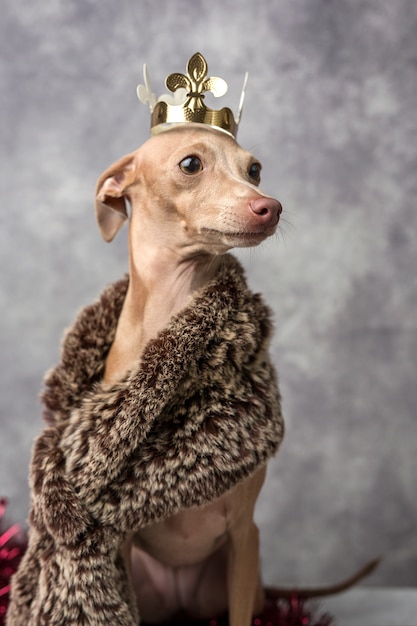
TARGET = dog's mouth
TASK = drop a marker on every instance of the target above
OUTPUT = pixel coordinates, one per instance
(239, 237)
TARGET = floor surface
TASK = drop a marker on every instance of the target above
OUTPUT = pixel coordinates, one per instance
(373, 607)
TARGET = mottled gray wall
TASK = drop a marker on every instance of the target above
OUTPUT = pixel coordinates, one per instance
(331, 112)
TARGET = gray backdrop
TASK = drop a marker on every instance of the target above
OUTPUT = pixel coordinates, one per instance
(331, 112)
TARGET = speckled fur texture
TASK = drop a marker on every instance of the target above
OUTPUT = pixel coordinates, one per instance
(199, 414)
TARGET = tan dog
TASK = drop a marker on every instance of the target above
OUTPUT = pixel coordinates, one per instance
(194, 195)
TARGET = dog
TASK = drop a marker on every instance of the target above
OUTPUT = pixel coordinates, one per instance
(194, 194)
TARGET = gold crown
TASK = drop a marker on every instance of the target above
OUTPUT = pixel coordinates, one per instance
(187, 103)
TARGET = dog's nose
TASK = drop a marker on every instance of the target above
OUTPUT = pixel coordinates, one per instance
(268, 209)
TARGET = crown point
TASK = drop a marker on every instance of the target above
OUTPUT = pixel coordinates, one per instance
(144, 92)
(197, 66)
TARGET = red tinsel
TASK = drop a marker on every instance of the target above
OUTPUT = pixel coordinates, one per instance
(12, 547)
(278, 611)
(292, 611)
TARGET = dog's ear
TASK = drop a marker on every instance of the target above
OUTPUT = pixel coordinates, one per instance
(110, 205)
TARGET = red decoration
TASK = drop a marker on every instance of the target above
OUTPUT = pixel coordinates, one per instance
(278, 611)
(12, 547)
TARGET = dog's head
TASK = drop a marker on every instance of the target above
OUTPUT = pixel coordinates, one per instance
(194, 182)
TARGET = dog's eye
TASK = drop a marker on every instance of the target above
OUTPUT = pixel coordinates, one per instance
(191, 165)
(255, 171)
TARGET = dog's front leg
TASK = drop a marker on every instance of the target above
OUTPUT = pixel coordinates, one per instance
(245, 593)
(244, 586)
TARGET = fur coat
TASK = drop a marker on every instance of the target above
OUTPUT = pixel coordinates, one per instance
(200, 413)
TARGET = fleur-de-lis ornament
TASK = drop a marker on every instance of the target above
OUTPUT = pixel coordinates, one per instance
(196, 83)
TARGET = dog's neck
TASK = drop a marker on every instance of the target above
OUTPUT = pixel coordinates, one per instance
(162, 281)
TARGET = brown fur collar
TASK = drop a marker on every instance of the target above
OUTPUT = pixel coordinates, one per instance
(199, 414)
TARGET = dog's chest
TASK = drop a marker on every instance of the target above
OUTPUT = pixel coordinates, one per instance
(187, 537)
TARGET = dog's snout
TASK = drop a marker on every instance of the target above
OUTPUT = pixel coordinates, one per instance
(268, 209)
